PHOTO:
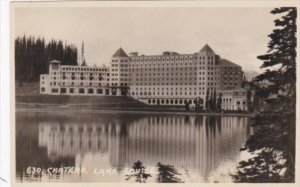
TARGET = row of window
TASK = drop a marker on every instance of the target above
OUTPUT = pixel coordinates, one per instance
(79, 83)
(135, 84)
(231, 73)
(174, 58)
(173, 69)
(80, 90)
(165, 84)
(99, 76)
(230, 67)
(163, 74)
(174, 84)
(172, 64)
(230, 84)
(144, 79)
(79, 74)
(171, 88)
(233, 92)
(117, 65)
(154, 69)
(172, 101)
(175, 79)
(121, 60)
(230, 78)
(84, 78)
(167, 93)
(121, 84)
(83, 69)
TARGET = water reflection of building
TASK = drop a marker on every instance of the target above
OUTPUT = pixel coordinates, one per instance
(192, 142)
(196, 142)
(71, 139)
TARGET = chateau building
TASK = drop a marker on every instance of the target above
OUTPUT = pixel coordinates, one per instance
(167, 79)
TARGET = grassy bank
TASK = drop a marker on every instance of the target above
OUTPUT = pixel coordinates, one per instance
(66, 99)
(27, 88)
(103, 104)
(100, 102)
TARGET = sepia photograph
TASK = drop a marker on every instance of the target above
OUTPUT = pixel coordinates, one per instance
(144, 93)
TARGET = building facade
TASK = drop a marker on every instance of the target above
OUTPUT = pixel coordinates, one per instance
(167, 79)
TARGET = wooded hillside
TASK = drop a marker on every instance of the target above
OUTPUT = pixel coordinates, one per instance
(32, 56)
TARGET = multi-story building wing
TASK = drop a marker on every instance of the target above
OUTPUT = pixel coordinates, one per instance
(231, 74)
(64, 79)
(173, 76)
(119, 72)
(167, 79)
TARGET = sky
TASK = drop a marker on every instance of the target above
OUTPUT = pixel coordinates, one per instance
(236, 34)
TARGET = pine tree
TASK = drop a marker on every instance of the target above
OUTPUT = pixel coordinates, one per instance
(219, 103)
(249, 101)
(207, 101)
(32, 57)
(211, 101)
(167, 174)
(139, 173)
(214, 100)
(274, 138)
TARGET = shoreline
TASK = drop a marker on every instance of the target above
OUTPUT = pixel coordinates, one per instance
(121, 110)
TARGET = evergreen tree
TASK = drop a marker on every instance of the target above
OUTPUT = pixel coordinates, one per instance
(187, 106)
(249, 101)
(139, 173)
(207, 101)
(32, 57)
(167, 174)
(211, 102)
(214, 100)
(219, 103)
(274, 138)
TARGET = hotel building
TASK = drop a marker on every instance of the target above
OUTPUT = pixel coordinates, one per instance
(167, 79)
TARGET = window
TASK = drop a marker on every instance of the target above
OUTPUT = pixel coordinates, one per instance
(54, 90)
(99, 91)
(81, 90)
(42, 89)
(63, 90)
(90, 91)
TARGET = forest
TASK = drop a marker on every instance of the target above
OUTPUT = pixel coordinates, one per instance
(32, 56)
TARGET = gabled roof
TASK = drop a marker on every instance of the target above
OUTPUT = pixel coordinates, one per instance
(206, 49)
(228, 63)
(120, 53)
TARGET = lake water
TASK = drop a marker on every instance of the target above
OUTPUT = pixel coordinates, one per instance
(95, 147)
